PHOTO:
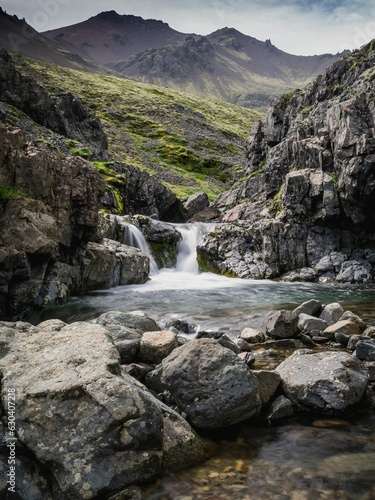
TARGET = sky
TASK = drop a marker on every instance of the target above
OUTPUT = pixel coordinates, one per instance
(302, 27)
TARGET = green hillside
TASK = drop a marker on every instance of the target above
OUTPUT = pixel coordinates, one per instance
(189, 143)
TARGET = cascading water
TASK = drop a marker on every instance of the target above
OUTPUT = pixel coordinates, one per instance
(135, 238)
(192, 235)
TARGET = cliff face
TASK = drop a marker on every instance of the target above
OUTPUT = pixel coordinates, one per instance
(305, 210)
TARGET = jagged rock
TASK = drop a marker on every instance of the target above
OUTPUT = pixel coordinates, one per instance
(155, 346)
(269, 381)
(306, 202)
(343, 326)
(365, 350)
(281, 407)
(210, 383)
(282, 325)
(311, 307)
(326, 382)
(252, 336)
(332, 313)
(311, 323)
(195, 203)
(102, 430)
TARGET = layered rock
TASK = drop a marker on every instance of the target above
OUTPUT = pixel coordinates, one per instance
(304, 211)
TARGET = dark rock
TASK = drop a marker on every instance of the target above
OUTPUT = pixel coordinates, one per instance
(281, 407)
(312, 308)
(194, 204)
(269, 381)
(309, 323)
(282, 325)
(365, 350)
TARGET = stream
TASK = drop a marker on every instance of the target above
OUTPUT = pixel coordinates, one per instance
(301, 458)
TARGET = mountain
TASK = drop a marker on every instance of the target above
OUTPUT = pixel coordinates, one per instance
(226, 65)
(110, 37)
(16, 36)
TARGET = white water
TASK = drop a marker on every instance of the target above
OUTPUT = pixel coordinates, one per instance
(135, 238)
(192, 235)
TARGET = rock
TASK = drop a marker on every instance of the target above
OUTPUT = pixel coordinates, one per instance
(354, 318)
(269, 381)
(326, 382)
(136, 320)
(353, 341)
(370, 332)
(242, 344)
(310, 323)
(281, 407)
(128, 350)
(342, 338)
(344, 326)
(311, 307)
(225, 341)
(247, 357)
(282, 325)
(252, 336)
(332, 313)
(195, 203)
(211, 384)
(355, 271)
(155, 346)
(365, 350)
(88, 404)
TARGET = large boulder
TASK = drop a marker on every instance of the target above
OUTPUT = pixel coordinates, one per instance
(92, 428)
(210, 383)
(326, 382)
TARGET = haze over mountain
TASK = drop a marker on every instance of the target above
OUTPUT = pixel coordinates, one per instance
(225, 64)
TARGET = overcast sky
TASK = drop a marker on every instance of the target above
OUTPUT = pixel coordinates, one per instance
(304, 27)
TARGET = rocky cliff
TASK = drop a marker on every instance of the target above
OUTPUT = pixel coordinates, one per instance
(305, 209)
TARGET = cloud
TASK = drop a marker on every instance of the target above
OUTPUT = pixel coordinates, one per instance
(295, 26)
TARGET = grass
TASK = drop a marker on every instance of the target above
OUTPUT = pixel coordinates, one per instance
(163, 131)
(9, 192)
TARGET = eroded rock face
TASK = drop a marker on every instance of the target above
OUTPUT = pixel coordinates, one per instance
(304, 213)
(92, 427)
(326, 382)
(210, 383)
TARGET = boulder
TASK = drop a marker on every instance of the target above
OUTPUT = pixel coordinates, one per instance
(332, 313)
(346, 327)
(282, 325)
(326, 382)
(311, 307)
(309, 323)
(281, 407)
(210, 383)
(155, 346)
(269, 381)
(354, 318)
(355, 271)
(365, 350)
(102, 430)
(136, 321)
(252, 336)
(194, 204)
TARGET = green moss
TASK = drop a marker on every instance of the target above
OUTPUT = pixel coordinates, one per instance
(118, 197)
(334, 179)
(276, 204)
(9, 192)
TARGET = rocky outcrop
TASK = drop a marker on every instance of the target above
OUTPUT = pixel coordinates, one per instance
(304, 211)
(49, 243)
(64, 114)
(90, 429)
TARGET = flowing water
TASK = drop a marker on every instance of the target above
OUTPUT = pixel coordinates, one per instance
(297, 459)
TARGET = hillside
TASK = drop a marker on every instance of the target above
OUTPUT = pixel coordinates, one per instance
(226, 65)
(188, 143)
(16, 36)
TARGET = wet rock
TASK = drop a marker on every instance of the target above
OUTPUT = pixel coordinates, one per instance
(365, 350)
(332, 313)
(326, 382)
(281, 407)
(343, 326)
(342, 338)
(211, 384)
(309, 323)
(155, 346)
(252, 336)
(311, 307)
(128, 350)
(269, 381)
(353, 341)
(282, 325)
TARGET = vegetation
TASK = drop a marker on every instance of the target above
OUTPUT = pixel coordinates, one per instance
(9, 192)
(187, 142)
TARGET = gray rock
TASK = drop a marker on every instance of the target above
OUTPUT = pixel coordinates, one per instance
(136, 320)
(343, 326)
(211, 384)
(155, 346)
(88, 404)
(128, 350)
(342, 338)
(354, 318)
(311, 307)
(332, 313)
(326, 382)
(353, 341)
(195, 203)
(281, 407)
(369, 332)
(355, 271)
(269, 381)
(365, 350)
(225, 341)
(252, 336)
(309, 323)
(282, 325)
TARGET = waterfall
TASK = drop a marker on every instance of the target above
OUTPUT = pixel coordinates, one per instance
(192, 235)
(135, 238)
